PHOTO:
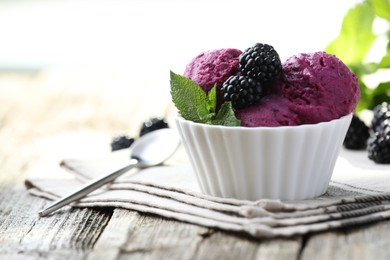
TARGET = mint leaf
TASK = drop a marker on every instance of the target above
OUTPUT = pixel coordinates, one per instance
(189, 99)
(212, 99)
(356, 36)
(226, 116)
(197, 106)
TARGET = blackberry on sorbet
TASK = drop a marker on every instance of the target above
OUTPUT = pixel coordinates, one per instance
(242, 91)
(260, 62)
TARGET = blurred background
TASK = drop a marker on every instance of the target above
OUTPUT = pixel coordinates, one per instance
(153, 36)
(103, 66)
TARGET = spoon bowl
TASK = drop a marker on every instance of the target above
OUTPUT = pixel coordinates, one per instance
(150, 150)
(155, 147)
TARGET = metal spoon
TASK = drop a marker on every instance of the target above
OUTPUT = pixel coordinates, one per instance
(150, 150)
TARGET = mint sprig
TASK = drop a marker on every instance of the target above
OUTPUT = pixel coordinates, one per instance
(225, 116)
(197, 106)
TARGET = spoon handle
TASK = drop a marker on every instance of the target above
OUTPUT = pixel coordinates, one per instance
(87, 188)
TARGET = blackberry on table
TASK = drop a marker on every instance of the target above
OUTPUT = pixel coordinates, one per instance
(381, 114)
(383, 126)
(121, 142)
(260, 62)
(357, 134)
(242, 91)
(378, 146)
(153, 124)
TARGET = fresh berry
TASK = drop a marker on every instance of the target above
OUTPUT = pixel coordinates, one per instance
(153, 124)
(121, 142)
(242, 91)
(357, 135)
(381, 114)
(260, 62)
(378, 146)
(384, 126)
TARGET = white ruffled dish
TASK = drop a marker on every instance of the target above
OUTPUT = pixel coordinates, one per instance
(287, 163)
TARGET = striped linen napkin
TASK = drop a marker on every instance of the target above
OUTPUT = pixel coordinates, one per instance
(359, 193)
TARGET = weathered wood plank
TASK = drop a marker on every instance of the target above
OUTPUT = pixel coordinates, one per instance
(16, 217)
(22, 232)
(156, 238)
(280, 249)
(222, 245)
(114, 235)
(368, 242)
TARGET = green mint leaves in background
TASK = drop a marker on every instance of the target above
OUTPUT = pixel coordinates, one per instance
(354, 42)
(197, 106)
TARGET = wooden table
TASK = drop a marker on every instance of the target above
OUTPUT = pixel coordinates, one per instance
(54, 114)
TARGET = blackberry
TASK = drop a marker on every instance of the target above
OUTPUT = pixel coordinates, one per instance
(153, 124)
(357, 135)
(378, 146)
(381, 114)
(383, 126)
(260, 62)
(121, 142)
(242, 91)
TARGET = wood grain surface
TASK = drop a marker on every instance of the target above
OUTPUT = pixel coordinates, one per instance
(50, 115)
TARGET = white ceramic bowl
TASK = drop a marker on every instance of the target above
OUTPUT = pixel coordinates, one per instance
(287, 163)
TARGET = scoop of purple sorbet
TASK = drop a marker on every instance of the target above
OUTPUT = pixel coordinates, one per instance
(273, 110)
(319, 87)
(213, 67)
